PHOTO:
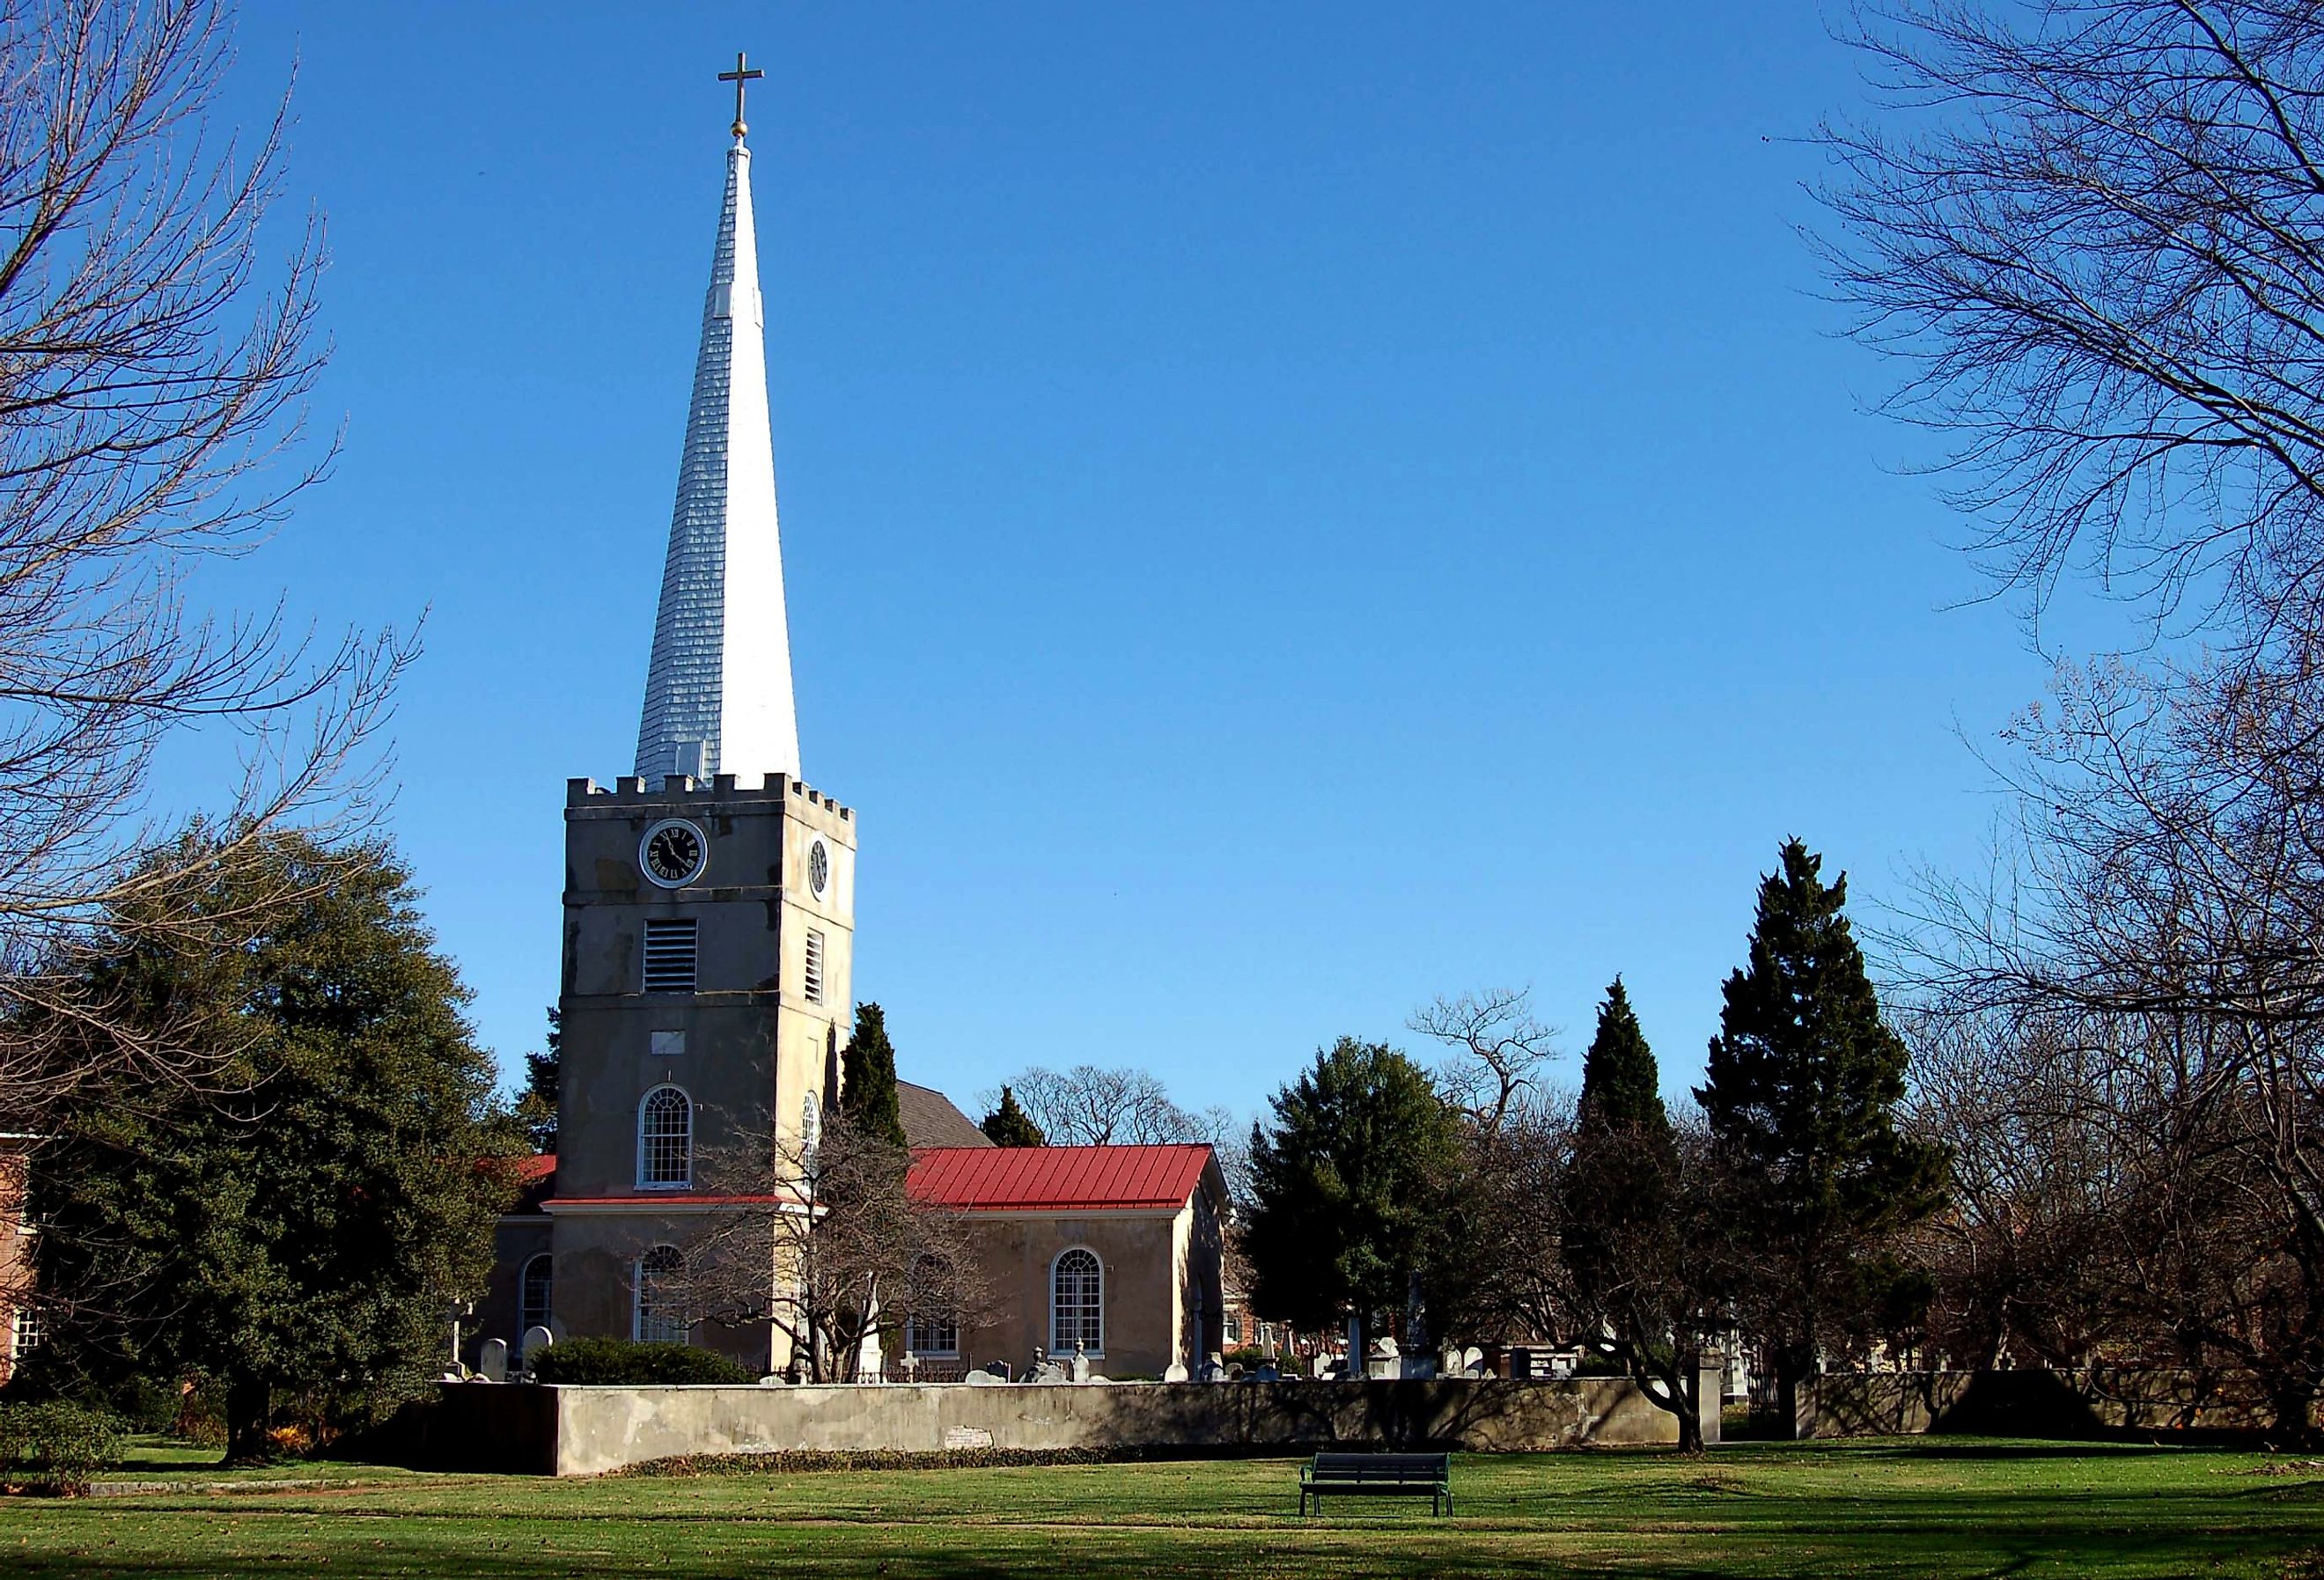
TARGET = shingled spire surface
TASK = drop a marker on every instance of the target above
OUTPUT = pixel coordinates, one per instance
(718, 689)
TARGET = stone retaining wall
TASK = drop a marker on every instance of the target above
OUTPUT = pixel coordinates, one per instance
(598, 1429)
(2031, 1403)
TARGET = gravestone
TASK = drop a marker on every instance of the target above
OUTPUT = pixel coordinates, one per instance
(536, 1339)
(980, 1378)
(1173, 1373)
(1081, 1362)
(492, 1360)
(1386, 1358)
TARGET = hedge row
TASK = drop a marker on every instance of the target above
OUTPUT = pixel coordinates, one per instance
(790, 1461)
(626, 1362)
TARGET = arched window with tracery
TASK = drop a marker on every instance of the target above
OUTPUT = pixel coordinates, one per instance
(532, 1295)
(665, 1139)
(661, 1287)
(1077, 1303)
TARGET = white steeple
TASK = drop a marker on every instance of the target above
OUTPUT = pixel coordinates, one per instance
(718, 690)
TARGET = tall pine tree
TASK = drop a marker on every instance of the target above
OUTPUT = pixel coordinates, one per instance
(867, 1078)
(1622, 1237)
(1803, 1083)
(1008, 1125)
(536, 1105)
(1620, 1188)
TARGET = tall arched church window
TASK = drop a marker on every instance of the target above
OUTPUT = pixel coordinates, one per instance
(665, 1139)
(1077, 1303)
(532, 1295)
(661, 1287)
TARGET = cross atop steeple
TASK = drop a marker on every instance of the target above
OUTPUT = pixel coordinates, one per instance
(742, 73)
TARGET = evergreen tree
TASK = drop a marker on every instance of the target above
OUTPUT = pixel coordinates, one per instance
(1352, 1188)
(867, 1078)
(536, 1105)
(1803, 1082)
(1008, 1125)
(1622, 1233)
(1620, 1186)
(297, 1224)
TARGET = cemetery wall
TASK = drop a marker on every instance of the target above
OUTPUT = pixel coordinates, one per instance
(599, 1429)
(2031, 1403)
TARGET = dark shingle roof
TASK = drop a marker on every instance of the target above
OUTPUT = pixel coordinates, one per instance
(931, 1121)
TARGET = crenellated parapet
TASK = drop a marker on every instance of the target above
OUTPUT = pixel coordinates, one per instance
(724, 790)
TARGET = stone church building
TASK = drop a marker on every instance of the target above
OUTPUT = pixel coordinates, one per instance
(708, 978)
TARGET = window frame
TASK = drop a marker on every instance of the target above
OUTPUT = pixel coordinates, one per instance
(918, 1326)
(685, 1139)
(639, 1275)
(1060, 1342)
(529, 1317)
(28, 1330)
(811, 969)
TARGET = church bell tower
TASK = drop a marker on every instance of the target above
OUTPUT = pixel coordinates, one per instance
(709, 897)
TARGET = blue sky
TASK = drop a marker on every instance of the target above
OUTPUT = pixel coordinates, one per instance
(1288, 510)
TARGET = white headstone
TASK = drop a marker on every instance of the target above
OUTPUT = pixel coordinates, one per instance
(1081, 1362)
(492, 1360)
(1173, 1373)
(536, 1339)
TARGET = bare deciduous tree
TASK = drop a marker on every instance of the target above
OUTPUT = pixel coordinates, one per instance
(1086, 1106)
(150, 387)
(1499, 1048)
(824, 1245)
(2164, 904)
(2095, 230)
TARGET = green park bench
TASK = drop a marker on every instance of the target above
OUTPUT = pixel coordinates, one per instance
(1389, 1475)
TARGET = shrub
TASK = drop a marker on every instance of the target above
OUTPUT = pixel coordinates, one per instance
(620, 1361)
(56, 1445)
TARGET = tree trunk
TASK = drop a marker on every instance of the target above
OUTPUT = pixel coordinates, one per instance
(2294, 1398)
(249, 1411)
(1682, 1379)
(1795, 1364)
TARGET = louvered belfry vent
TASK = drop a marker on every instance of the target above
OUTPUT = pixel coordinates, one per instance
(672, 947)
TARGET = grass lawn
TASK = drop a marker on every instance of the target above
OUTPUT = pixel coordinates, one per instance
(1900, 1507)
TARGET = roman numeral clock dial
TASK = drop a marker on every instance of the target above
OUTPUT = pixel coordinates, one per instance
(673, 853)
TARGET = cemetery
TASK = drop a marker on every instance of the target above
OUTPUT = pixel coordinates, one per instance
(1346, 576)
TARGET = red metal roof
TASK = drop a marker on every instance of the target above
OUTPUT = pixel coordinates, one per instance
(535, 1177)
(1055, 1178)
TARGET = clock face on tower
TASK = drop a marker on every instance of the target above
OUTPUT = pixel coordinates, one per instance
(673, 853)
(819, 868)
